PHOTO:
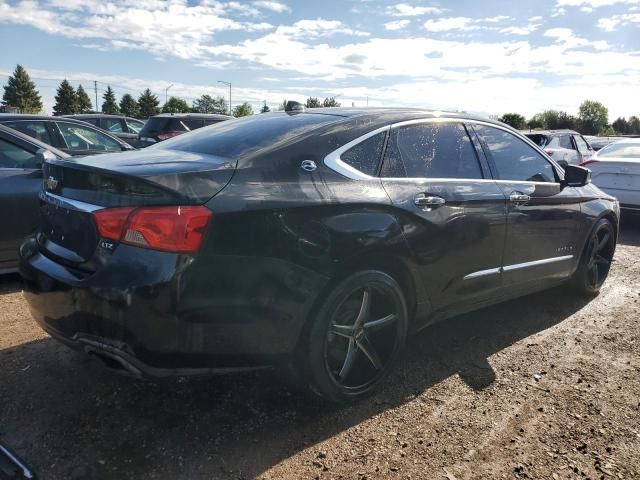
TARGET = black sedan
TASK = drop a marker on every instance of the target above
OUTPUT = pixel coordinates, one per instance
(21, 159)
(69, 135)
(320, 238)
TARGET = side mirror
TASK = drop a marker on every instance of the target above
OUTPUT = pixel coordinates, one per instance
(575, 176)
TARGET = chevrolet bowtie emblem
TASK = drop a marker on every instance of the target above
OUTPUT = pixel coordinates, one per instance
(52, 183)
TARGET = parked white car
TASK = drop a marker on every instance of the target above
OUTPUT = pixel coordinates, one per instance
(562, 145)
(616, 170)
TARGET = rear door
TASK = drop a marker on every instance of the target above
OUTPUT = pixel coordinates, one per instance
(20, 181)
(452, 212)
(584, 150)
(543, 220)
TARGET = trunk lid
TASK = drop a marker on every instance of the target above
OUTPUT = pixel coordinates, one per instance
(618, 174)
(74, 189)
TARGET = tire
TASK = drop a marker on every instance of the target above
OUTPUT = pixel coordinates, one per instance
(596, 259)
(356, 336)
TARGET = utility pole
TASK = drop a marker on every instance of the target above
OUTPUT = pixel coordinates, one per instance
(166, 90)
(95, 88)
(229, 84)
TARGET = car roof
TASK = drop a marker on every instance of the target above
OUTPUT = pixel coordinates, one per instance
(192, 115)
(96, 115)
(548, 132)
(33, 141)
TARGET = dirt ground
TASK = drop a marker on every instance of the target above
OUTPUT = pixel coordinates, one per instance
(544, 387)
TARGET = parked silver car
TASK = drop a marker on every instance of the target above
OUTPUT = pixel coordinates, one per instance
(562, 145)
(616, 170)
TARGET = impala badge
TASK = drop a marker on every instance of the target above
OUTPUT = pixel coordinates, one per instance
(52, 183)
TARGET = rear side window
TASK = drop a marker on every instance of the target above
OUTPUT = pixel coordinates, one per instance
(78, 137)
(34, 128)
(538, 139)
(113, 125)
(13, 156)
(565, 142)
(583, 148)
(366, 155)
(513, 158)
(431, 150)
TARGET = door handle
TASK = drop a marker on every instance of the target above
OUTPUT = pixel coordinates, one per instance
(519, 198)
(427, 202)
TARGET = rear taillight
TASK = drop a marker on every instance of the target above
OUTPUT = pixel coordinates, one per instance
(167, 135)
(178, 229)
(587, 162)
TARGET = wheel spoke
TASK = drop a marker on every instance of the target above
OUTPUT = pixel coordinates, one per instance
(603, 241)
(349, 359)
(593, 274)
(365, 345)
(599, 259)
(345, 331)
(375, 325)
(365, 306)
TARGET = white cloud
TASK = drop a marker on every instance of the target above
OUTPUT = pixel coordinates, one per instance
(396, 25)
(449, 23)
(535, 19)
(521, 30)
(592, 3)
(567, 38)
(406, 10)
(610, 24)
(319, 27)
(277, 7)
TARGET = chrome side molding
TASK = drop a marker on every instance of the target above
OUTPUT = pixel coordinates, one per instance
(516, 266)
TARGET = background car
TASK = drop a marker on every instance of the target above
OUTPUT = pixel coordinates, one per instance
(67, 134)
(616, 170)
(600, 142)
(318, 239)
(167, 125)
(21, 159)
(125, 128)
(562, 145)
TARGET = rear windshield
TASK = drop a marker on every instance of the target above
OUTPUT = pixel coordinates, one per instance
(621, 150)
(538, 138)
(241, 137)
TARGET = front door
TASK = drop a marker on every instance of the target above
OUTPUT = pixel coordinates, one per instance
(452, 213)
(542, 240)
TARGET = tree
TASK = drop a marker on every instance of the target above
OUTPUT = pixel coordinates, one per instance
(621, 125)
(515, 120)
(208, 104)
(564, 120)
(282, 107)
(312, 102)
(128, 106)
(265, 108)
(242, 110)
(634, 125)
(110, 105)
(149, 104)
(84, 102)
(66, 99)
(175, 105)
(20, 92)
(594, 117)
(330, 102)
(535, 122)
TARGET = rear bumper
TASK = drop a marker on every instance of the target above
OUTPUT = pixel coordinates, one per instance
(153, 314)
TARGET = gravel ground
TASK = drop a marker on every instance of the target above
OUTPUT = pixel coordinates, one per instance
(543, 387)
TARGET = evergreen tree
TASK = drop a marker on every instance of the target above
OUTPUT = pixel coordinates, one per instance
(84, 102)
(265, 108)
(20, 92)
(330, 102)
(110, 105)
(128, 106)
(148, 104)
(312, 102)
(175, 105)
(66, 99)
(208, 104)
(515, 120)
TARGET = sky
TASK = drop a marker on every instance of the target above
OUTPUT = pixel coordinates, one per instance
(487, 57)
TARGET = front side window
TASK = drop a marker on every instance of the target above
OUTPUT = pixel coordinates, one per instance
(78, 137)
(13, 156)
(34, 128)
(431, 150)
(513, 158)
(583, 148)
(565, 142)
(134, 125)
(365, 156)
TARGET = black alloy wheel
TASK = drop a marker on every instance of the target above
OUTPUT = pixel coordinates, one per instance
(597, 258)
(357, 336)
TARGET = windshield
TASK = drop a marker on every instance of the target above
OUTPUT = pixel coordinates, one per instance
(621, 150)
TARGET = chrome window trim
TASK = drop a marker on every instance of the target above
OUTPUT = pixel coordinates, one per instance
(68, 203)
(335, 163)
(516, 266)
